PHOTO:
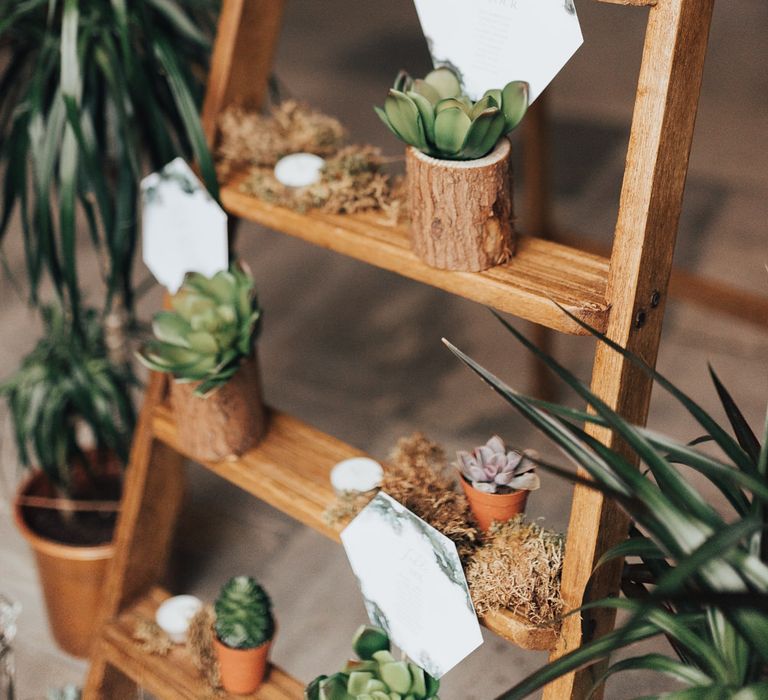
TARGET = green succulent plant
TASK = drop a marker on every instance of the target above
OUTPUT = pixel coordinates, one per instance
(243, 614)
(211, 329)
(375, 675)
(434, 116)
(702, 576)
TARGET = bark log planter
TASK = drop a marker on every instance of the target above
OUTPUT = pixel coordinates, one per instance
(461, 211)
(228, 422)
(72, 576)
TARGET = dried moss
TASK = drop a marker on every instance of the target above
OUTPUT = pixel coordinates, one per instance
(250, 138)
(200, 645)
(352, 181)
(519, 567)
(151, 638)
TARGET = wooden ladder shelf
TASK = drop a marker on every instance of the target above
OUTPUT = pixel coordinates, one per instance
(624, 296)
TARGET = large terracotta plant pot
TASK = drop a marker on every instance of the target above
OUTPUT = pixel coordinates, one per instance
(72, 577)
(227, 422)
(493, 507)
(461, 211)
(242, 670)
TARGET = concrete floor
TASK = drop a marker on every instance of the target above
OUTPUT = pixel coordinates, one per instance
(356, 350)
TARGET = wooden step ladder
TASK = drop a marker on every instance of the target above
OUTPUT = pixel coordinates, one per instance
(624, 295)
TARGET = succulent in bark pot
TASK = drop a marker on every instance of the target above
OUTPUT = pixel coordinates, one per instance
(458, 167)
(207, 342)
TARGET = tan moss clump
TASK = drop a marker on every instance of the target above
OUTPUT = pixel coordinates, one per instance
(200, 645)
(249, 138)
(519, 568)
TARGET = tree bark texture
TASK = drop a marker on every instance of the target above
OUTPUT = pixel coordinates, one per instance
(461, 211)
(227, 422)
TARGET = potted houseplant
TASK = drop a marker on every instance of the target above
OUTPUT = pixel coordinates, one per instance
(72, 419)
(374, 675)
(497, 481)
(244, 630)
(458, 167)
(207, 342)
(702, 575)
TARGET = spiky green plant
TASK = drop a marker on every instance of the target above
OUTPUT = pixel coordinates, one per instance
(93, 93)
(434, 116)
(243, 614)
(375, 675)
(210, 331)
(703, 577)
(68, 381)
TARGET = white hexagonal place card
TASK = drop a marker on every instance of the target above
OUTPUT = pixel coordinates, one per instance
(413, 584)
(184, 228)
(491, 42)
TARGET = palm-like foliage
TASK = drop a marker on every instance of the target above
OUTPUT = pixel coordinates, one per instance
(703, 577)
(89, 90)
(65, 382)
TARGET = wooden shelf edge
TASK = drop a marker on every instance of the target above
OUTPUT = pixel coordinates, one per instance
(174, 677)
(290, 471)
(542, 275)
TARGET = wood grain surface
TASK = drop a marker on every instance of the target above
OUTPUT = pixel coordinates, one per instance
(541, 275)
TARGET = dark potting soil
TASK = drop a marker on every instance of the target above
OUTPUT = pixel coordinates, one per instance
(79, 528)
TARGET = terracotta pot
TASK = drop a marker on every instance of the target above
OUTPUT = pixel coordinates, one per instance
(72, 578)
(227, 422)
(493, 507)
(242, 670)
(461, 210)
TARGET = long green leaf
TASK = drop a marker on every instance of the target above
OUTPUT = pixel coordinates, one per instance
(725, 441)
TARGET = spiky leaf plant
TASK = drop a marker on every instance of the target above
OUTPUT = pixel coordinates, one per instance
(243, 614)
(434, 116)
(67, 382)
(376, 675)
(93, 93)
(703, 577)
(210, 331)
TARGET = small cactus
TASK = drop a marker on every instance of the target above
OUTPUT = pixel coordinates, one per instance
(376, 675)
(492, 468)
(243, 614)
(434, 116)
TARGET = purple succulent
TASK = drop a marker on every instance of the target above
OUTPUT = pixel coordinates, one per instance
(494, 469)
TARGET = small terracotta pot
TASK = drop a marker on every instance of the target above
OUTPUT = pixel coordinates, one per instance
(242, 670)
(72, 578)
(493, 507)
(229, 421)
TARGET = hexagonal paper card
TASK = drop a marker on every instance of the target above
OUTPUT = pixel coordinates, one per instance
(184, 229)
(413, 584)
(491, 42)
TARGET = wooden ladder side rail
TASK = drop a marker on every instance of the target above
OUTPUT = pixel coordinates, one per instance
(651, 202)
(152, 496)
(246, 39)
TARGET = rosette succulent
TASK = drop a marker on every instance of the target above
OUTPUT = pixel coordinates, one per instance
(492, 468)
(211, 328)
(434, 116)
(243, 614)
(375, 675)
